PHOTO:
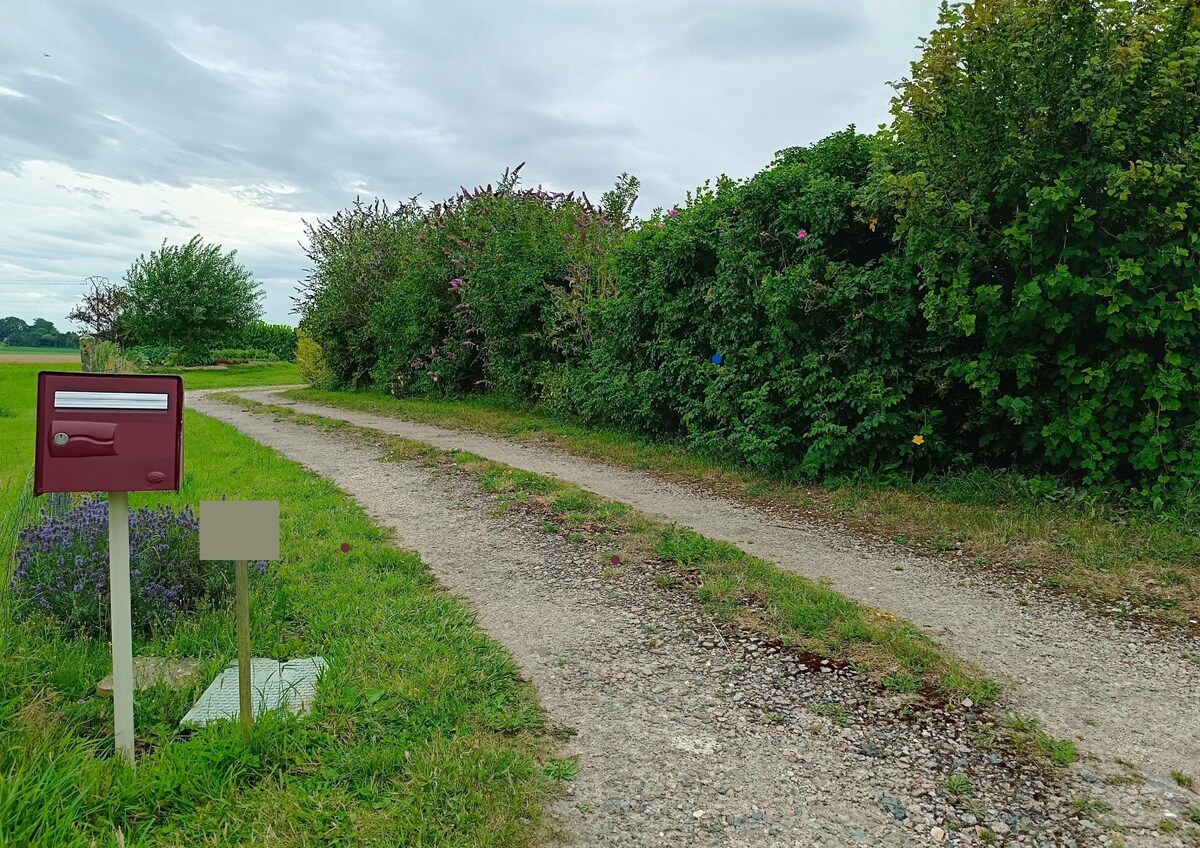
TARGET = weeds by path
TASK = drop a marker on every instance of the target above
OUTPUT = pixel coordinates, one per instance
(1002, 525)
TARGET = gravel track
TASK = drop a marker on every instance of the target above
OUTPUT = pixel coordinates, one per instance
(694, 735)
(1119, 693)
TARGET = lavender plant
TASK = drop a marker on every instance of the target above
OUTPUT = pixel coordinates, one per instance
(62, 567)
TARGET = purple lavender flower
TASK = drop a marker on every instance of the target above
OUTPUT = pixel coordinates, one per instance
(62, 567)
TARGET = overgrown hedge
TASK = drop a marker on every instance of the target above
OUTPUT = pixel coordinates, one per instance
(1006, 275)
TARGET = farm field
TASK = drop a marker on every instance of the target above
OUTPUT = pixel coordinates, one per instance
(422, 732)
(42, 355)
(6, 350)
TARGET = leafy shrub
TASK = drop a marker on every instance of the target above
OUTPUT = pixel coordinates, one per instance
(179, 358)
(150, 356)
(232, 356)
(147, 356)
(770, 320)
(1050, 211)
(309, 360)
(279, 339)
(62, 568)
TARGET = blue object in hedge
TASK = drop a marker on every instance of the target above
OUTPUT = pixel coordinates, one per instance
(717, 359)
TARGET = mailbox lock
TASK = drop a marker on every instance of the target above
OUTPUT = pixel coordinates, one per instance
(61, 439)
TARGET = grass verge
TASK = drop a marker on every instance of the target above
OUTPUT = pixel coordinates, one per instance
(732, 585)
(422, 733)
(999, 525)
(250, 374)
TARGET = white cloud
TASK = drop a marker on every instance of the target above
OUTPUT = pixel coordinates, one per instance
(60, 226)
(235, 120)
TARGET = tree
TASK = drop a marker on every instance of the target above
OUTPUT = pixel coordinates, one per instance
(41, 333)
(102, 310)
(193, 297)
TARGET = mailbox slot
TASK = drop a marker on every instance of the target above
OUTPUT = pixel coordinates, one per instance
(110, 400)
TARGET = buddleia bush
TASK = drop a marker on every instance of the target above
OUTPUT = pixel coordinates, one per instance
(770, 320)
(356, 255)
(485, 291)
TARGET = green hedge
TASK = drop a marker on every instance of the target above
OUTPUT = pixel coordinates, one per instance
(1009, 274)
(277, 339)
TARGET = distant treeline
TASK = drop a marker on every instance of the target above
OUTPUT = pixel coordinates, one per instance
(41, 333)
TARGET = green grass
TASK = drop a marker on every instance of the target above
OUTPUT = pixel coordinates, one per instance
(958, 784)
(1028, 736)
(254, 374)
(1085, 806)
(423, 731)
(834, 712)
(18, 413)
(5, 350)
(731, 584)
(1035, 530)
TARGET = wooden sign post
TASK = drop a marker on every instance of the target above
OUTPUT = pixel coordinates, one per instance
(241, 531)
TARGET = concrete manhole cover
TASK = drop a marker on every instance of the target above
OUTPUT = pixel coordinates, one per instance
(273, 684)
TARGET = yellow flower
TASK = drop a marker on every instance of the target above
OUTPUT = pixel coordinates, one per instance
(874, 221)
(918, 439)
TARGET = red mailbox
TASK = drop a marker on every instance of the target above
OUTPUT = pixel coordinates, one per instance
(108, 433)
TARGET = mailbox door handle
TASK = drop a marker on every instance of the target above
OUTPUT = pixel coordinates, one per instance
(84, 438)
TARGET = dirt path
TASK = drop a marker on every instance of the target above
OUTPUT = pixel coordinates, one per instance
(1119, 693)
(691, 733)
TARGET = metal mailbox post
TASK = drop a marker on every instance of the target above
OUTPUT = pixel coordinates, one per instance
(117, 434)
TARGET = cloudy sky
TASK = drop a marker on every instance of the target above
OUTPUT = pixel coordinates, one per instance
(126, 123)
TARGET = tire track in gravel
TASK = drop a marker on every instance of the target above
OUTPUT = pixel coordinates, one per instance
(651, 773)
(1127, 694)
(691, 732)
